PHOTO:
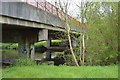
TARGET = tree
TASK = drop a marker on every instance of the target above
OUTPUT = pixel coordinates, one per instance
(64, 5)
(102, 30)
(82, 6)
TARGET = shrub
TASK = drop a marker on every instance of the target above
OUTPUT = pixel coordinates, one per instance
(14, 46)
(69, 60)
(9, 46)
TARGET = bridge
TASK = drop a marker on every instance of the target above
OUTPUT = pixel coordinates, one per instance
(28, 22)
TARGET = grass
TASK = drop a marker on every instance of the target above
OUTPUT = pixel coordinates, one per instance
(45, 71)
(9, 54)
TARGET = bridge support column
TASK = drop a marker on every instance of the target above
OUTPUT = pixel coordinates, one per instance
(26, 48)
(22, 52)
(48, 54)
(48, 43)
(32, 51)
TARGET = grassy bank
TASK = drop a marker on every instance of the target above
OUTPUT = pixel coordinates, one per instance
(9, 53)
(44, 71)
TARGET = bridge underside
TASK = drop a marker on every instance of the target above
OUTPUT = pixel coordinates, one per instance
(10, 33)
(26, 37)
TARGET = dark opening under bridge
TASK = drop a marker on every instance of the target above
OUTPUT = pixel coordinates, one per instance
(28, 22)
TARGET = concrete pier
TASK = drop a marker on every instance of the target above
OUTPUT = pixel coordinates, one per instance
(26, 46)
(48, 54)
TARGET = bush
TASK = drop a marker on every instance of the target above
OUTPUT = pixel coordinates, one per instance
(5, 46)
(69, 60)
(14, 46)
(24, 62)
(64, 59)
(10, 46)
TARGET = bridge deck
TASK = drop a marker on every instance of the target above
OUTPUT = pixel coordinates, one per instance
(24, 12)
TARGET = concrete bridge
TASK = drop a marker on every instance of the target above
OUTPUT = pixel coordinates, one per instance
(25, 24)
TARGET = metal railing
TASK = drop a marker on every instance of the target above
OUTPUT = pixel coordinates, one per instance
(48, 7)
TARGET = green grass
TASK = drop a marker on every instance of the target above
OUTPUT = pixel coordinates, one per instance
(45, 71)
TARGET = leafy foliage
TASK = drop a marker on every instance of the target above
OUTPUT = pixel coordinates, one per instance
(9, 46)
(102, 27)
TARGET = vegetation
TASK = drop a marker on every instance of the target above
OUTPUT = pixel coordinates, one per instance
(14, 46)
(98, 45)
(45, 71)
(102, 48)
(24, 62)
(9, 54)
(9, 46)
(101, 36)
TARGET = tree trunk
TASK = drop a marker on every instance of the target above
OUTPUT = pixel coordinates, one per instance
(83, 56)
(71, 49)
(81, 50)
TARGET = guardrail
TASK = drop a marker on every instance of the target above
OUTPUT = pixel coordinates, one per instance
(48, 7)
